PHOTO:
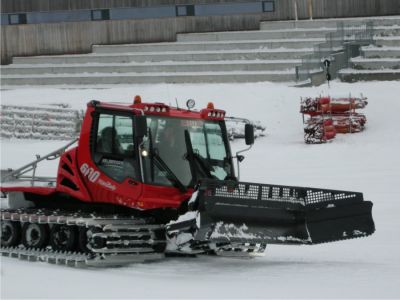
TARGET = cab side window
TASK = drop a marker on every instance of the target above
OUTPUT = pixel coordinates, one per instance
(114, 146)
(114, 135)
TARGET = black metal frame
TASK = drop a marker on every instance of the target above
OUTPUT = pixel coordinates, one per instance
(262, 213)
(276, 195)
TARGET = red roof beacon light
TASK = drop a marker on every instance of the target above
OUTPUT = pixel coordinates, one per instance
(211, 113)
(137, 99)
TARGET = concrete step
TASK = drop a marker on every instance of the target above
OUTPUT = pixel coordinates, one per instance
(361, 63)
(380, 52)
(242, 56)
(389, 41)
(321, 23)
(133, 78)
(256, 65)
(209, 46)
(300, 33)
(269, 54)
(253, 35)
(351, 75)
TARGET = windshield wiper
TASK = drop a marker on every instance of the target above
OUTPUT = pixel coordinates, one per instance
(156, 159)
(192, 156)
(207, 168)
(172, 177)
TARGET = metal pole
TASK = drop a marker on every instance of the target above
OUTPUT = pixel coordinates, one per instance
(296, 18)
(309, 3)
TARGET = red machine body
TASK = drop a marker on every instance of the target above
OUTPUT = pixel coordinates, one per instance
(79, 177)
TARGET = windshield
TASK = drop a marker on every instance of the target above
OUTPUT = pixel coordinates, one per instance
(169, 145)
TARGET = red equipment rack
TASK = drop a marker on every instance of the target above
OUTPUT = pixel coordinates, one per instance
(323, 117)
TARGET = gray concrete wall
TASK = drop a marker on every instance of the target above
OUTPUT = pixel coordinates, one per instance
(8, 6)
(355, 8)
(321, 8)
(78, 37)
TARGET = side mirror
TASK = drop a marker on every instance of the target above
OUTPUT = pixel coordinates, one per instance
(140, 124)
(249, 134)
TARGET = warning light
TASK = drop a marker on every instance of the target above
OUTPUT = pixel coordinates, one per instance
(211, 113)
(137, 99)
(155, 108)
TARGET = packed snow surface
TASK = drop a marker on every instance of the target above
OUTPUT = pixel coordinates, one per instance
(368, 162)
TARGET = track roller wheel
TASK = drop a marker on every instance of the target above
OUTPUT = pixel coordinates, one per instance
(83, 239)
(10, 233)
(96, 242)
(160, 247)
(35, 235)
(63, 237)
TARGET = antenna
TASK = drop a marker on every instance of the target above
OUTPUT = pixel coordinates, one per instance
(177, 105)
(168, 90)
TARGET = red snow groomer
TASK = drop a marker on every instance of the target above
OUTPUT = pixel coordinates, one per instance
(147, 180)
(327, 116)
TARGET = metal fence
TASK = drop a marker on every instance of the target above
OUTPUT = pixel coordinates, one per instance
(335, 53)
(39, 122)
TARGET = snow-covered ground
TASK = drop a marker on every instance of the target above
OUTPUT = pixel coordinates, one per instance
(368, 162)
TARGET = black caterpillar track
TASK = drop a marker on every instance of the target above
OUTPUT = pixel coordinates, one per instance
(111, 239)
(242, 250)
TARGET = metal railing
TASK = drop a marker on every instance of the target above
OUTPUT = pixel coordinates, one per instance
(20, 173)
(39, 122)
(345, 40)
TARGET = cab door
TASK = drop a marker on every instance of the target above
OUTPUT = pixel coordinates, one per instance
(113, 174)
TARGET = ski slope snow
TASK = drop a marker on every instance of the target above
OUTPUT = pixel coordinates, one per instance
(368, 162)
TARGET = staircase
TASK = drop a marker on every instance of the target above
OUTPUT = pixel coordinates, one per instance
(268, 54)
(377, 62)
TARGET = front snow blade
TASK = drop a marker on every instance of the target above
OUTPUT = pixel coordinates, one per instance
(240, 212)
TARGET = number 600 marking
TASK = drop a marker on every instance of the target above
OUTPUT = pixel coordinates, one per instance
(90, 173)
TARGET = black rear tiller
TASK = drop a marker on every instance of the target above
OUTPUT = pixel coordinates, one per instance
(240, 212)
